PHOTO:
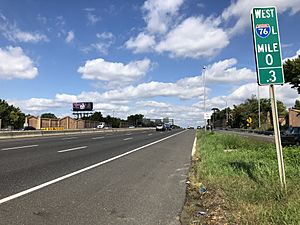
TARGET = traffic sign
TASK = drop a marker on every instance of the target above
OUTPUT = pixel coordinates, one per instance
(249, 120)
(207, 116)
(267, 46)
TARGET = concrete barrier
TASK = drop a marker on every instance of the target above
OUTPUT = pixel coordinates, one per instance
(37, 133)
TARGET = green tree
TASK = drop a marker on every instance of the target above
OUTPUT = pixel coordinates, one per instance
(48, 115)
(135, 120)
(249, 108)
(97, 116)
(292, 72)
(297, 104)
(10, 115)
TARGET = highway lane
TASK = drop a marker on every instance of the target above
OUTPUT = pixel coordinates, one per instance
(145, 187)
(18, 166)
(42, 159)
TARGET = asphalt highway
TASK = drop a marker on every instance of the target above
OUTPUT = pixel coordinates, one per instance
(131, 177)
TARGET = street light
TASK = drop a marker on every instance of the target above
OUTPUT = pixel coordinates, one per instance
(203, 72)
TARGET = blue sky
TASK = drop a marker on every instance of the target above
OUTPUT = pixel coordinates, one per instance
(134, 56)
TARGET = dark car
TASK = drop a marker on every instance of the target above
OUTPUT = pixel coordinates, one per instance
(168, 126)
(291, 136)
(29, 128)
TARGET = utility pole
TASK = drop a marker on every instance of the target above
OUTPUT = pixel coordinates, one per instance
(259, 123)
(226, 113)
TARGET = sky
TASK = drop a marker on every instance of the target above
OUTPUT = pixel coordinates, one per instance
(136, 57)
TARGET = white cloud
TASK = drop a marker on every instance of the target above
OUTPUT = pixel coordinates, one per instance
(36, 104)
(70, 37)
(223, 71)
(15, 34)
(293, 57)
(105, 36)
(160, 14)
(92, 18)
(142, 43)
(66, 98)
(106, 39)
(195, 37)
(153, 104)
(153, 89)
(14, 64)
(108, 108)
(240, 11)
(114, 73)
(283, 93)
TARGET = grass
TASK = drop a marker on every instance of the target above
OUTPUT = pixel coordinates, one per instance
(242, 182)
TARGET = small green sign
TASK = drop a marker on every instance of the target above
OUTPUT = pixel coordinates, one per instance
(267, 46)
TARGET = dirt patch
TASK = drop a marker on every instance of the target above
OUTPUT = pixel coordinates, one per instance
(204, 204)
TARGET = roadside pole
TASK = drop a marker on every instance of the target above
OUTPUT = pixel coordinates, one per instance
(203, 72)
(259, 123)
(269, 67)
(277, 137)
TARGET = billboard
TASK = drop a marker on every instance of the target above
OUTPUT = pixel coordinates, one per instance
(82, 106)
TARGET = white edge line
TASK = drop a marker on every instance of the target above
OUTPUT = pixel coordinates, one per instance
(9, 198)
(12, 148)
(72, 149)
(194, 146)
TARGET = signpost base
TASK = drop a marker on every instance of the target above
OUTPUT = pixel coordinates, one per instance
(277, 137)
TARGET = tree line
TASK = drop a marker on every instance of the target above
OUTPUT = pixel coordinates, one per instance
(237, 116)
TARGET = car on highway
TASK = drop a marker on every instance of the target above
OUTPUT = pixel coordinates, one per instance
(168, 126)
(291, 136)
(29, 128)
(101, 125)
(160, 127)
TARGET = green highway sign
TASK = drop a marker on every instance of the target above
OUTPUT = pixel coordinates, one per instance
(267, 46)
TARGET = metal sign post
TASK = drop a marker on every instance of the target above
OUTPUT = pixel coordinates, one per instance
(269, 66)
(277, 137)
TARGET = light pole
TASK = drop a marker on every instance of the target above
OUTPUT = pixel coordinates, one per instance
(203, 74)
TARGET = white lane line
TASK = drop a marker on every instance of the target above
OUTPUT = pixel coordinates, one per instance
(150, 134)
(128, 134)
(69, 138)
(95, 138)
(126, 139)
(72, 149)
(18, 147)
(17, 195)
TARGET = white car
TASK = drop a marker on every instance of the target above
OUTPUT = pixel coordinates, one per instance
(160, 127)
(101, 125)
